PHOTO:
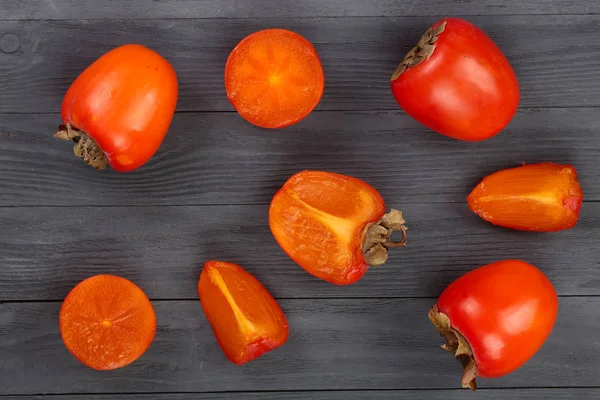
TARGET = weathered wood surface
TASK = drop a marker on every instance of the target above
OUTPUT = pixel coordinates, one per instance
(445, 394)
(140, 9)
(205, 195)
(555, 57)
(333, 344)
(218, 158)
(44, 252)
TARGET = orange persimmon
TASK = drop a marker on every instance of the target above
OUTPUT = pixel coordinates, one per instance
(542, 197)
(107, 322)
(333, 226)
(274, 78)
(245, 318)
(119, 109)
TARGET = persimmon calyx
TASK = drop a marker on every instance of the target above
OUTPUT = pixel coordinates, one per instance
(422, 51)
(457, 345)
(85, 147)
(376, 237)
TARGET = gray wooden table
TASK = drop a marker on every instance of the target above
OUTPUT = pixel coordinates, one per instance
(205, 195)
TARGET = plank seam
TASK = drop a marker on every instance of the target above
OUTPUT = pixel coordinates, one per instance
(398, 16)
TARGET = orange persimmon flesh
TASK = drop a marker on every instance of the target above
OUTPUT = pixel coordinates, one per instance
(318, 218)
(107, 322)
(542, 197)
(245, 318)
(274, 78)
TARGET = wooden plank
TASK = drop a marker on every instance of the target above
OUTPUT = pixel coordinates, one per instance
(139, 9)
(218, 158)
(44, 252)
(333, 344)
(446, 394)
(358, 54)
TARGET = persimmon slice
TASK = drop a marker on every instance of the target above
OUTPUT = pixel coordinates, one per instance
(107, 322)
(245, 318)
(274, 78)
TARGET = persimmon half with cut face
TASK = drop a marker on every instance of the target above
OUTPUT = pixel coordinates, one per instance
(334, 226)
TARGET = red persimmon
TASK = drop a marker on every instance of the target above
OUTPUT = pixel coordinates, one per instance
(457, 82)
(495, 318)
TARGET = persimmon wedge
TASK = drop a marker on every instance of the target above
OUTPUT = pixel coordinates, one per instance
(245, 318)
(274, 78)
(333, 226)
(107, 322)
(542, 197)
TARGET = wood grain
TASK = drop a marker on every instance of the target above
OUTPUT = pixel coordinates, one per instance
(218, 158)
(333, 344)
(139, 9)
(554, 57)
(44, 252)
(446, 394)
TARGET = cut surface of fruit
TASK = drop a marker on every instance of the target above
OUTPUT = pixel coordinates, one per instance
(541, 197)
(107, 322)
(319, 218)
(245, 318)
(274, 78)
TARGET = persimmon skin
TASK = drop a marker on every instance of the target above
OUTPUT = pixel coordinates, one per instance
(542, 197)
(318, 218)
(274, 78)
(125, 101)
(466, 89)
(505, 310)
(246, 319)
(107, 322)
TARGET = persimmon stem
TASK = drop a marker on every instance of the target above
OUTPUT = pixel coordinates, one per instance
(457, 345)
(376, 237)
(422, 51)
(85, 147)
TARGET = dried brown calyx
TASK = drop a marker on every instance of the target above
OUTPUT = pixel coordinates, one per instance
(422, 51)
(85, 147)
(377, 237)
(457, 345)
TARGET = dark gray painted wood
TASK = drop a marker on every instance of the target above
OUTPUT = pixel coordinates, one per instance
(140, 9)
(555, 57)
(333, 344)
(44, 252)
(446, 394)
(218, 158)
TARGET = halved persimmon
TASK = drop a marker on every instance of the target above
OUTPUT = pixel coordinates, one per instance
(333, 226)
(107, 322)
(274, 78)
(245, 318)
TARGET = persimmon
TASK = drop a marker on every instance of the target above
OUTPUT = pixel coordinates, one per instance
(107, 322)
(119, 109)
(542, 197)
(457, 82)
(495, 318)
(333, 226)
(274, 78)
(245, 318)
